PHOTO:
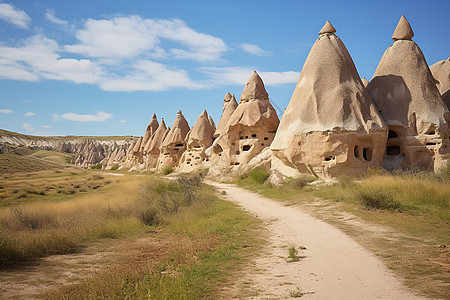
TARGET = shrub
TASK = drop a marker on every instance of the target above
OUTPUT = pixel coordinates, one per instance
(167, 170)
(377, 198)
(300, 182)
(115, 167)
(257, 175)
(97, 167)
(149, 216)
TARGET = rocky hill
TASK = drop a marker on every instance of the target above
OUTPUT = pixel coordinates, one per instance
(86, 151)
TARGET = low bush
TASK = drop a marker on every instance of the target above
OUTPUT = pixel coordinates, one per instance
(378, 198)
(167, 170)
(256, 175)
(115, 167)
(97, 167)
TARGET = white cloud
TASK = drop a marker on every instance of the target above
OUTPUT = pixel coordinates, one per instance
(29, 114)
(50, 16)
(254, 49)
(99, 117)
(13, 15)
(150, 76)
(31, 130)
(122, 121)
(240, 75)
(45, 126)
(38, 57)
(131, 36)
(6, 111)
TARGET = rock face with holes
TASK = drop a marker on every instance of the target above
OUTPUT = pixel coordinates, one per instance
(199, 138)
(153, 148)
(441, 72)
(249, 130)
(405, 92)
(331, 125)
(174, 144)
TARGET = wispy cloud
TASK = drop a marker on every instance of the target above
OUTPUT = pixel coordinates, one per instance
(29, 114)
(150, 76)
(45, 126)
(122, 121)
(254, 49)
(240, 75)
(130, 36)
(13, 15)
(98, 117)
(31, 130)
(38, 57)
(6, 111)
(50, 16)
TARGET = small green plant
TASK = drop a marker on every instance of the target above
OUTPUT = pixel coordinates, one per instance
(115, 167)
(149, 216)
(293, 255)
(300, 182)
(97, 167)
(223, 192)
(257, 175)
(167, 170)
(377, 198)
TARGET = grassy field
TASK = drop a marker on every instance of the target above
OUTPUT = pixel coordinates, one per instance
(195, 243)
(402, 217)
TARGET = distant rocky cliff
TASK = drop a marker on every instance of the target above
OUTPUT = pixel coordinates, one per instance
(86, 151)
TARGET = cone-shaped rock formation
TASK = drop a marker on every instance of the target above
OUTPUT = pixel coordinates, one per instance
(197, 141)
(441, 72)
(153, 149)
(405, 92)
(229, 106)
(151, 128)
(330, 126)
(174, 144)
(249, 130)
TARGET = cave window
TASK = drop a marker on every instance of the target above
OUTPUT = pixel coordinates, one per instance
(328, 158)
(431, 144)
(392, 134)
(237, 152)
(262, 144)
(393, 150)
(266, 138)
(254, 135)
(241, 137)
(236, 164)
(246, 147)
(367, 154)
(356, 151)
(246, 136)
(179, 145)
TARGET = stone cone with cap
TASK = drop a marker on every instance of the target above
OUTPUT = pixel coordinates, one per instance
(151, 128)
(406, 95)
(174, 143)
(249, 130)
(199, 138)
(331, 125)
(441, 72)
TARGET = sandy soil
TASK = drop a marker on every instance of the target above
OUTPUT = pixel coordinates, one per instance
(333, 266)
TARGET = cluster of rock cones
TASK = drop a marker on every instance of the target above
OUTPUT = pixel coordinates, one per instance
(335, 123)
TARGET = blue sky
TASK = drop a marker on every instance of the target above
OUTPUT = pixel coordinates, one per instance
(104, 67)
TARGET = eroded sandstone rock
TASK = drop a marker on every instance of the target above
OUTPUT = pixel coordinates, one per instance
(406, 95)
(249, 130)
(330, 126)
(199, 138)
(441, 72)
(174, 143)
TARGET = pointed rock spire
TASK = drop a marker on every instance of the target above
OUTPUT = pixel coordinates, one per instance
(254, 89)
(180, 129)
(365, 81)
(229, 106)
(327, 28)
(227, 97)
(403, 31)
(202, 132)
(211, 121)
(157, 138)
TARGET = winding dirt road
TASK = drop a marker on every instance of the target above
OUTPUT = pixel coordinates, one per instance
(333, 266)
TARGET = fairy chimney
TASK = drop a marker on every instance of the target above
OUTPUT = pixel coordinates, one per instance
(197, 141)
(153, 148)
(441, 72)
(229, 106)
(174, 144)
(151, 128)
(406, 95)
(249, 129)
(330, 126)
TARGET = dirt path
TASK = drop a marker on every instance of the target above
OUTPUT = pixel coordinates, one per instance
(333, 266)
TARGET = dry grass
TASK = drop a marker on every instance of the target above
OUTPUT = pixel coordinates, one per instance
(32, 230)
(402, 217)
